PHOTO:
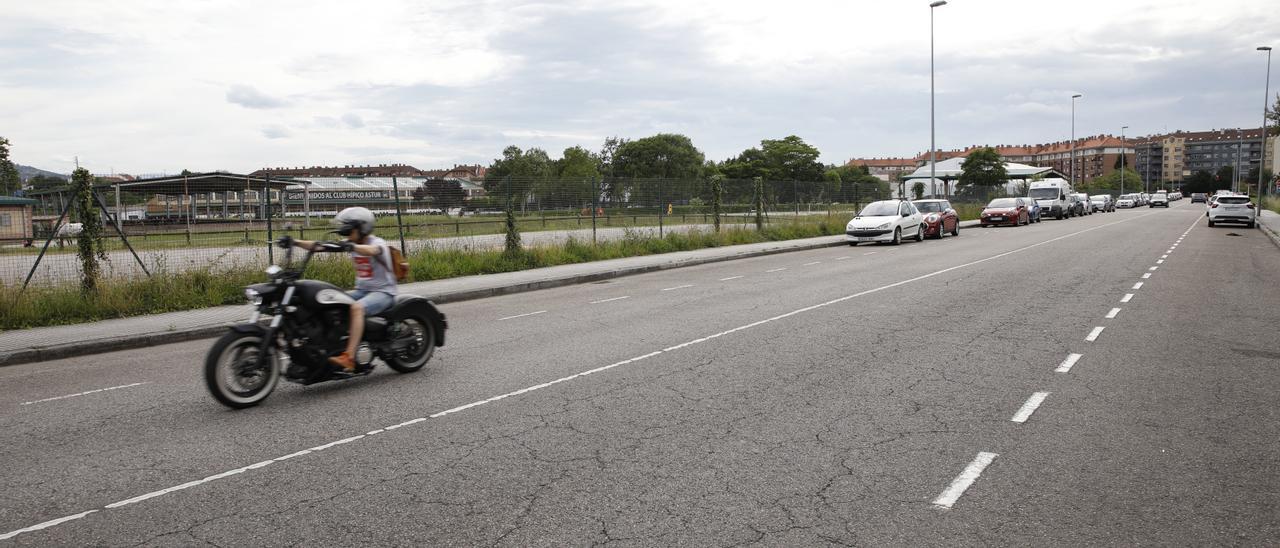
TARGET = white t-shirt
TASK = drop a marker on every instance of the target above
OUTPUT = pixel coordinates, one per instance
(373, 273)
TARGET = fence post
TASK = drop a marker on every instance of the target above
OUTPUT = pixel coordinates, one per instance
(271, 249)
(595, 205)
(717, 196)
(395, 190)
(759, 202)
(661, 209)
(795, 195)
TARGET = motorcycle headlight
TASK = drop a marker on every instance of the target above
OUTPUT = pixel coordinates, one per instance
(253, 296)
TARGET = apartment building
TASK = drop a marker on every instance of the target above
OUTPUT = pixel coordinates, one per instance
(886, 169)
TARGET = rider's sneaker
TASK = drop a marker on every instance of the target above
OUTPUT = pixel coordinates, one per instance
(343, 362)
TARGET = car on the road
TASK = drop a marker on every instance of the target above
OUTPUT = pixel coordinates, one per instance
(1233, 209)
(1159, 199)
(1198, 197)
(1004, 211)
(939, 217)
(1081, 206)
(885, 221)
(1127, 201)
(1102, 202)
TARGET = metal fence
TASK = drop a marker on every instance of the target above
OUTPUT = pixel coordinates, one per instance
(171, 228)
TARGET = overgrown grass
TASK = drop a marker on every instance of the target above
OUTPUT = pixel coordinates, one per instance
(1272, 203)
(168, 292)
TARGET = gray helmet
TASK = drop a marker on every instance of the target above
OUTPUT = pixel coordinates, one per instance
(354, 218)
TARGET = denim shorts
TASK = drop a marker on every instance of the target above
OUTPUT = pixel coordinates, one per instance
(374, 302)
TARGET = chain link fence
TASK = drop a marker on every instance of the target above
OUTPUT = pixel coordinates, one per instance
(181, 225)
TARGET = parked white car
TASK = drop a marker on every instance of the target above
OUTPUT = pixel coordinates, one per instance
(1232, 209)
(1102, 203)
(885, 221)
(1127, 201)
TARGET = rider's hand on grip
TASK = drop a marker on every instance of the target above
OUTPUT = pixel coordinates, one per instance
(347, 245)
(285, 242)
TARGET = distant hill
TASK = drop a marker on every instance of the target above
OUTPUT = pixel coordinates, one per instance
(27, 172)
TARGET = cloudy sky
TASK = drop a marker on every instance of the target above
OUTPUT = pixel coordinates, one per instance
(144, 87)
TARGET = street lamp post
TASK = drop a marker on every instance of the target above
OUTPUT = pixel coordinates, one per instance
(1073, 139)
(1122, 146)
(933, 157)
(1266, 92)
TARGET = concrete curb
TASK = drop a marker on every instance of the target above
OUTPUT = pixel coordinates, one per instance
(98, 346)
(1275, 237)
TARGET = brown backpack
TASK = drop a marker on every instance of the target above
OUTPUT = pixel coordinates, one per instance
(399, 264)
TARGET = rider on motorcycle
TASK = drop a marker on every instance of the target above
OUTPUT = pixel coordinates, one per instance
(375, 281)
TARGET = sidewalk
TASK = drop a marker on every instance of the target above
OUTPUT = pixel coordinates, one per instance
(50, 343)
(1269, 222)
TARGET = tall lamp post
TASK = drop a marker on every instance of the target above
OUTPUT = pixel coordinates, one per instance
(1073, 138)
(1122, 146)
(1265, 97)
(933, 157)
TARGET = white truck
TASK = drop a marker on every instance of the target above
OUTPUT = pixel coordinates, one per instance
(1054, 197)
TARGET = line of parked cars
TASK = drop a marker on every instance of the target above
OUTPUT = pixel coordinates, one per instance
(892, 220)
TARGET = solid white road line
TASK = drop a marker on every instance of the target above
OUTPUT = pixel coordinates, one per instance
(611, 300)
(1093, 335)
(1068, 363)
(1030, 407)
(522, 315)
(1137, 285)
(1113, 313)
(1127, 297)
(731, 278)
(777, 269)
(982, 460)
(678, 287)
(962, 482)
(85, 393)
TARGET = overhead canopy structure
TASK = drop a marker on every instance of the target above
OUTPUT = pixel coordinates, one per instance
(194, 183)
(949, 170)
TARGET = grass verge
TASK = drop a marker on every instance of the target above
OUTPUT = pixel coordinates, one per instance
(169, 292)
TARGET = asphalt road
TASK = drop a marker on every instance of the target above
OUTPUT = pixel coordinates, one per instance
(849, 396)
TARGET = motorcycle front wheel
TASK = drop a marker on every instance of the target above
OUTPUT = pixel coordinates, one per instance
(236, 374)
(417, 342)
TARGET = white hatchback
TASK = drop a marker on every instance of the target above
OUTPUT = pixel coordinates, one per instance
(886, 221)
(1159, 199)
(1232, 209)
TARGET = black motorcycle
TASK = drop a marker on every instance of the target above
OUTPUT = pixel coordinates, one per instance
(299, 324)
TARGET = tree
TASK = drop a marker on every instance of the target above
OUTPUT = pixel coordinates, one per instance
(665, 155)
(983, 169)
(790, 159)
(517, 172)
(45, 182)
(443, 193)
(1110, 183)
(89, 239)
(918, 189)
(1273, 115)
(9, 179)
(577, 162)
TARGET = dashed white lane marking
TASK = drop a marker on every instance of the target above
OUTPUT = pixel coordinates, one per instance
(84, 393)
(1068, 363)
(1137, 285)
(812, 263)
(1146, 276)
(966, 478)
(1127, 297)
(777, 269)
(843, 258)
(611, 300)
(1164, 256)
(1029, 407)
(1093, 335)
(40, 526)
(870, 253)
(981, 462)
(522, 315)
(678, 287)
(1154, 268)
(1113, 313)
(731, 278)
(1161, 261)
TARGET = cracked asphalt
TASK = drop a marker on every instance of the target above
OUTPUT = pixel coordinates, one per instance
(793, 425)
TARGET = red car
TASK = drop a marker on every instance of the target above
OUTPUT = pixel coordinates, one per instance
(1005, 211)
(939, 218)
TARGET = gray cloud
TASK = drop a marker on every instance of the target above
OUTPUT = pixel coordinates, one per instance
(353, 120)
(250, 97)
(276, 132)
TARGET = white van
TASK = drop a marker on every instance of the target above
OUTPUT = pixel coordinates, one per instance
(1054, 197)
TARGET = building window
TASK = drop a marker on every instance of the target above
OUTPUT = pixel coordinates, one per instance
(6, 219)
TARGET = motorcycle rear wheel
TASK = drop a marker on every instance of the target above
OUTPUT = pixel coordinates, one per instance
(235, 374)
(420, 349)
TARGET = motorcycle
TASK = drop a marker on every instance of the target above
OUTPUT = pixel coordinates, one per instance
(298, 324)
